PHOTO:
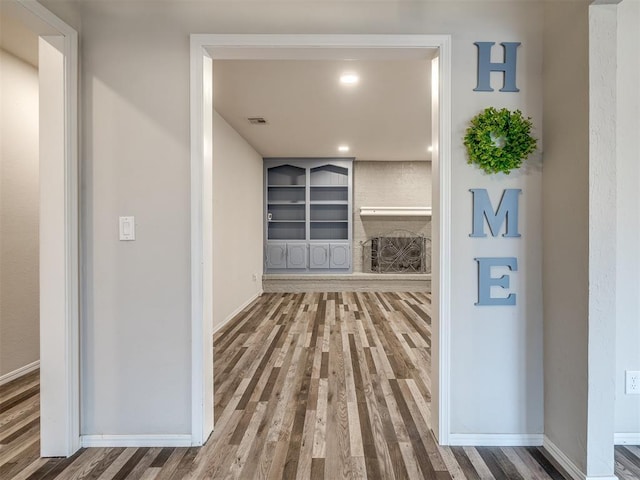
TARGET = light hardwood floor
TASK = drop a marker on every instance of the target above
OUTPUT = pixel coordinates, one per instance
(331, 386)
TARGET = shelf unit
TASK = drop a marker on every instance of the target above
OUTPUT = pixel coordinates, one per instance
(308, 215)
(286, 202)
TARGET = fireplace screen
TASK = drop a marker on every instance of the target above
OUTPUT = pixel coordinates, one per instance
(399, 251)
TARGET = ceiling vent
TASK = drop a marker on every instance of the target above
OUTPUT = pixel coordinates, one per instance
(257, 121)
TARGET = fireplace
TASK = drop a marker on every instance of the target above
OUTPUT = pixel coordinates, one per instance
(397, 252)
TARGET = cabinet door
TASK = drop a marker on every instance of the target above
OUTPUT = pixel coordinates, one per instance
(319, 255)
(276, 255)
(340, 255)
(296, 255)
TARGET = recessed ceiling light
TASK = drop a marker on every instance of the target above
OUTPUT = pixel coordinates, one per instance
(343, 148)
(429, 148)
(349, 78)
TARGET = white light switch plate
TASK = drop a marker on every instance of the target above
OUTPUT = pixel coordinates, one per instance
(127, 228)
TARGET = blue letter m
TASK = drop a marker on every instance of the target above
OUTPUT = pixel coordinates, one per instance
(507, 212)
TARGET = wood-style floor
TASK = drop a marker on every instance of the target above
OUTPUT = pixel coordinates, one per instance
(307, 386)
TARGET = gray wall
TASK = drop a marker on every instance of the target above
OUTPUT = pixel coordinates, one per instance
(566, 225)
(496, 352)
(19, 205)
(136, 324)
(237, 222)
(136, 330)
(388, 184)
(628, 236)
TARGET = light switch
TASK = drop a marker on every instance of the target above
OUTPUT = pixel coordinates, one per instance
(127, 228)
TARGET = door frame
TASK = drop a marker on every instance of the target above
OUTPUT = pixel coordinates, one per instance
(59, 252)
(205, 48)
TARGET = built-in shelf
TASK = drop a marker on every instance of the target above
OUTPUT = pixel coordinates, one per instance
(308, 215)
(395, 211)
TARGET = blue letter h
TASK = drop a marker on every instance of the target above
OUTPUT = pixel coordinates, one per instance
(485, 66)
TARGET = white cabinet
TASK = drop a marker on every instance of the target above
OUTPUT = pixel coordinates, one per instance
(335, 256)
(319, 255)
(340, 255)
(296, 255)
(276, 254)
(308, 209)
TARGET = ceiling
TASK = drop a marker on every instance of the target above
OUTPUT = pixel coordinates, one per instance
(386, 116)
(309, 113)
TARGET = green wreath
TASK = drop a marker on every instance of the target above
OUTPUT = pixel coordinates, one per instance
(499, 140)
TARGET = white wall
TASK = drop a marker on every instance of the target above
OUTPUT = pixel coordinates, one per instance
(237, 221)
(496, 358)
(136, 311)
(628, 215)
(602, 250)
(19, 289)
(566, 226)
(388, 184)
(135, 318)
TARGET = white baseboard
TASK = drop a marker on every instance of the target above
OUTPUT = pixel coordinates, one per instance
(627, 438)
(568, 465)
(9, 377)
(563, 460)
(237, 311)
(135, 441)
(495, 440)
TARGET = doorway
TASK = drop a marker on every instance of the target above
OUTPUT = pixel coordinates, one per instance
(58, 225)
(206, 48)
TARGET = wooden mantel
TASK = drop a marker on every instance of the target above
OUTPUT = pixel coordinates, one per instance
(395, 211)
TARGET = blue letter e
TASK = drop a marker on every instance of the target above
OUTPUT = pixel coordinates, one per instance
(486, 281)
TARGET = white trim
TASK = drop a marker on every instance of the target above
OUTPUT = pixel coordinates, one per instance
(237, 311)
(570, 467)
(627, 438)
(496, 439)
(19, 372)
(207, 244)
(600, 364)
(260, 46)
(563, 460)
(197, 271)
(444, 256)
(395, 211)
(316, 46)
(69, 363)
(104, 441)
